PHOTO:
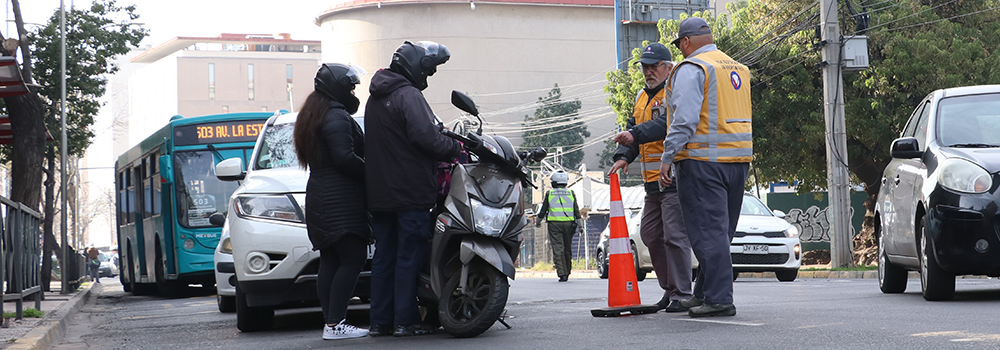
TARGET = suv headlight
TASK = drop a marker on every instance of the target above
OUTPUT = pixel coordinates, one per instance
(964, 176)
(489, 221)
(268, 207)
(792, 232)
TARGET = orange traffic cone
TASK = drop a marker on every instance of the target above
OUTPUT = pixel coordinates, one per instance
(623, 288)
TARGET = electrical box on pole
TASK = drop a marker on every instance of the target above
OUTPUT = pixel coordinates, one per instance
(855, 53)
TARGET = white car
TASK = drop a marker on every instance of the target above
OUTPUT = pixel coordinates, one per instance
(273, 259)
(109, 267)
(764, 242)
(643, 264)
(225, 273)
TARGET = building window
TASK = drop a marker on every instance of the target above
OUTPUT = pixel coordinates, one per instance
(250, 82)
(225, 109)
(211, 81)
(288, 79)
(263, 108)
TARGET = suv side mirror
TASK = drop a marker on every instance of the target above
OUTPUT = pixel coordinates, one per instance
(230, 170)
(778, 214)
(905, 148)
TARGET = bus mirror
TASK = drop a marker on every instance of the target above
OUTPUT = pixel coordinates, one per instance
(230, 169)
(217, 219)
(166, 169)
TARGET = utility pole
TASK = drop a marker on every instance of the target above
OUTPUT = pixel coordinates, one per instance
(836, 138)
(64, 263)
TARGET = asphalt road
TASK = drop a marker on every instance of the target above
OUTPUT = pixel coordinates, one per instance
(804, 314)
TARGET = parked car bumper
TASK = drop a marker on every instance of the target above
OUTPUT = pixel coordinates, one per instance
(782, 254)
(966, 236)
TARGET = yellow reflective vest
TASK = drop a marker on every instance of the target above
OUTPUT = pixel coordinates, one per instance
(650, 152)
(725, 128)
(560, 205)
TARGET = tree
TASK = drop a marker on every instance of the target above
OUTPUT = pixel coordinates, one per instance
(555, 124)
(93, 38)
(914, 48)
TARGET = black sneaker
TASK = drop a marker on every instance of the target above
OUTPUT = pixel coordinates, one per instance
(713, 310)
(675, 306)
(563, 278)
(663, 302)
(379, 330)
(415, 329)
(690, 303)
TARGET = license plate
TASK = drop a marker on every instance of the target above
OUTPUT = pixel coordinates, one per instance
(754, 249)
(371, 251)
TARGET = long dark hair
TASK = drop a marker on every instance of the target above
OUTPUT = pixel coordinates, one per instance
(307, 124)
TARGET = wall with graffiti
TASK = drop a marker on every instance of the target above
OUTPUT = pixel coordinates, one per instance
(808, 213)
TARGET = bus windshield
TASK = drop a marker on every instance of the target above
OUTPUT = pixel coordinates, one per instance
(199, 193)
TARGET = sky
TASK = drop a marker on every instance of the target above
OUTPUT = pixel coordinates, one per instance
(205, 18)
(166, 20)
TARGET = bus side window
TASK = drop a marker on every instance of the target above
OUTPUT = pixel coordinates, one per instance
(154, 179)
(129, 195)
(147, 202)
(120, 205)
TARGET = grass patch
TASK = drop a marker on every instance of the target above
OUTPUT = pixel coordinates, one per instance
(853, 268)
(578, 264)
(34, 313)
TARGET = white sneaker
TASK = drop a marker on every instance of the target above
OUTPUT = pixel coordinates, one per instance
(343, 331)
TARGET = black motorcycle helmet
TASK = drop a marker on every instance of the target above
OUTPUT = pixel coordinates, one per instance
(417, 61)
(336, 81)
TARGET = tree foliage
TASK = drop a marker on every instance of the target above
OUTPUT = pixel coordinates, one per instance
(555, 124)
(94, 37)
(914, 47)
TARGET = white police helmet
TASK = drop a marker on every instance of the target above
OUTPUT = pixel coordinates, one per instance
(560, 178)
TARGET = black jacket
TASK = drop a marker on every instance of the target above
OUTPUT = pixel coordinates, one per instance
(651, 131)
(335, 193)
(404, 143)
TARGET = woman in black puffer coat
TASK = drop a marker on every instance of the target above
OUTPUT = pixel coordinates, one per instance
(331, 145)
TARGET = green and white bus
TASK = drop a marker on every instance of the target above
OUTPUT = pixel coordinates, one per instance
(167, 190)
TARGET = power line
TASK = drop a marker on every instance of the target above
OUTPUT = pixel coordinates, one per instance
(943, 19)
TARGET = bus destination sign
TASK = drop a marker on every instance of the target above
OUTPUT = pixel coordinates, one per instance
(229, 131)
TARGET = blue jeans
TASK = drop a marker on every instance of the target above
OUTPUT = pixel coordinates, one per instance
(402, 241)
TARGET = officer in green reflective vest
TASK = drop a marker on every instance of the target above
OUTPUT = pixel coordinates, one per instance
(563, 214)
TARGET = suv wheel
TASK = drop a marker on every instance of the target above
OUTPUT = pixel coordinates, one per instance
(602, 264)
(249, 318)
(936, 283)
(891, 278)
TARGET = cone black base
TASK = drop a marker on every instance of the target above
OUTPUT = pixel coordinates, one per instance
(624, 311)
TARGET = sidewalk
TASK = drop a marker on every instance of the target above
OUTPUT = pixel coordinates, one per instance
(45, 332)
(804, 272)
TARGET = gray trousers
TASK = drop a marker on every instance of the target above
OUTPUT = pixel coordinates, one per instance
(663, 233)
(711, 195)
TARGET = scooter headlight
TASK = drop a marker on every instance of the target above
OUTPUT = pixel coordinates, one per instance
(489, 221)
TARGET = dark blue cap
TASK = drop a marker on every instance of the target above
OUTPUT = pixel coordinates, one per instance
(654, 53)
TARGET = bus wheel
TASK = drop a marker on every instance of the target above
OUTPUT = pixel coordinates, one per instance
(136, 287)
(249, 318)
(166, 288)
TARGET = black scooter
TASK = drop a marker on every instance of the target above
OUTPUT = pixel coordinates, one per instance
(477, 233)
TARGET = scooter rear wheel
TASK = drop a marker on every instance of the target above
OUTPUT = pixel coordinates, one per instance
(470, 314)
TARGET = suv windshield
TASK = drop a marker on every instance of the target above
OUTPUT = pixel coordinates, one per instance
(969, 120)
(199, 193)
(753, 206)
(277, 149)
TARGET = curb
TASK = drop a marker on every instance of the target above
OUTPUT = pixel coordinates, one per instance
(52, 329)
(872, 274)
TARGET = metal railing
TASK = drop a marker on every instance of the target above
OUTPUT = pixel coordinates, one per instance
(20, 255)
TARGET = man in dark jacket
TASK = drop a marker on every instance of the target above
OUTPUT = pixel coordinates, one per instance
(404, 141)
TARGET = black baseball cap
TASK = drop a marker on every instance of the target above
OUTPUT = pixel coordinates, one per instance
(654, 53)
(692, 26)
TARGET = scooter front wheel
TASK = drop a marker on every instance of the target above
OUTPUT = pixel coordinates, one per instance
(472, 313)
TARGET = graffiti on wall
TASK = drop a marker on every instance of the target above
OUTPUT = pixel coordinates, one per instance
(813, 223)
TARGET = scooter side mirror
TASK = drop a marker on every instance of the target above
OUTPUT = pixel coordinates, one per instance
(538, 154)
(463, 102)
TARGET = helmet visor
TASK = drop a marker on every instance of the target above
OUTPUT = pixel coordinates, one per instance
(355, 72)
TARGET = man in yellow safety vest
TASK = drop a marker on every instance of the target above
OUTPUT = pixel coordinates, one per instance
(563, 214)
(662, 227)
(711, 141)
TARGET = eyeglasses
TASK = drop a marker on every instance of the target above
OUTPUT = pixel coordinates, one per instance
(650, 67)
(678, 43)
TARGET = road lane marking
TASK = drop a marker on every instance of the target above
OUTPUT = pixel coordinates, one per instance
(158, 316)
(962, 336)
(721, 322)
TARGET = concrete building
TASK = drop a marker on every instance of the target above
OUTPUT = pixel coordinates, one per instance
(193, 76)
(505, 54)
